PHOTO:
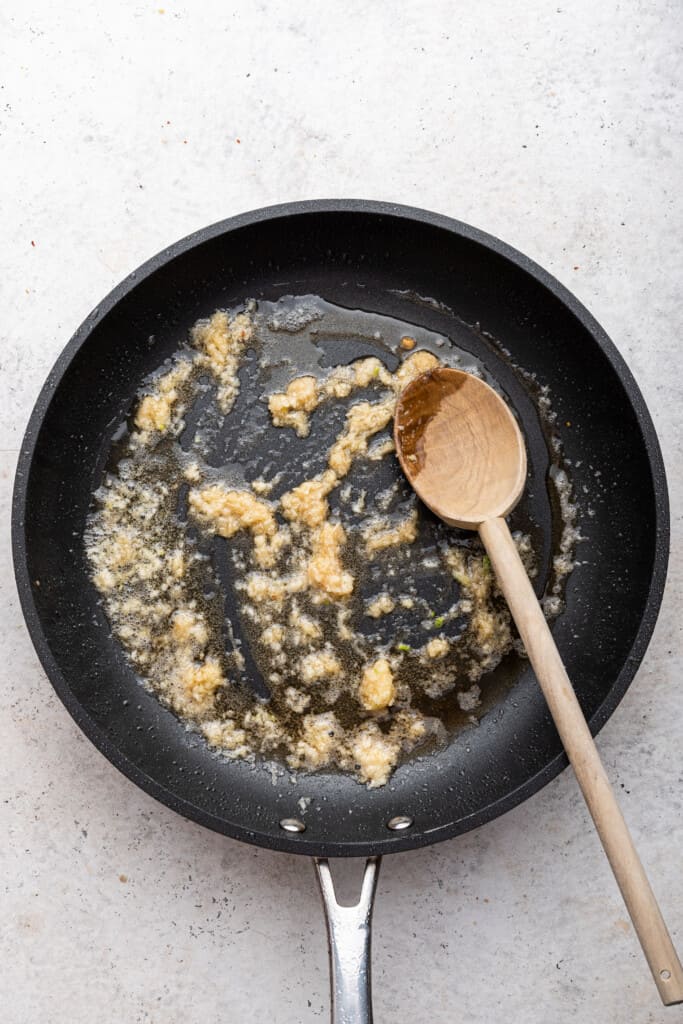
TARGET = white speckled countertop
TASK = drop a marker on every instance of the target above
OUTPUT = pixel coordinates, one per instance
(124, 127)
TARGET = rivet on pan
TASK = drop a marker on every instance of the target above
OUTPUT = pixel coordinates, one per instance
(292, 825)
(400, 822)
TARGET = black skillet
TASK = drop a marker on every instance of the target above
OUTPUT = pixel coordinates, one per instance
(382, 258)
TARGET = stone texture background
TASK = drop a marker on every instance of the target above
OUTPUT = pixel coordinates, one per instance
(124, 127)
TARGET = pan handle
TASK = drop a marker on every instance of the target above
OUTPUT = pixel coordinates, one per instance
(348, 936)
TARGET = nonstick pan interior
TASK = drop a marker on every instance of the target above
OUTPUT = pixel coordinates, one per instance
(387, 260)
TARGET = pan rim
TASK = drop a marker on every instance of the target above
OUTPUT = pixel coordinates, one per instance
(299, 843)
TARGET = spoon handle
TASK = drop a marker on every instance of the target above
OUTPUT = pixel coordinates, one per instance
(582, 752)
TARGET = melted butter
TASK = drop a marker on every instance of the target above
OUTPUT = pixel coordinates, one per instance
(240, 539)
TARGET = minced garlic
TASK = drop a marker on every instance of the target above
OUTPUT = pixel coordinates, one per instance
(301, 570)
(292, 408)
(377, 690)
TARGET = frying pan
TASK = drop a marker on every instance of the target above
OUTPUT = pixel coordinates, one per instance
(443, 275)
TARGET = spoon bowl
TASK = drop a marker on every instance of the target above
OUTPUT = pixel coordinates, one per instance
(460, 447)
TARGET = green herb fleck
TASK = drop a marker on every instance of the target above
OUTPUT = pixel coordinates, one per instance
(402, 647)
(486, 563)
(439, 621)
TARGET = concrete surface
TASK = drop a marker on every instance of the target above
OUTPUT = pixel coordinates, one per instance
(125, 126)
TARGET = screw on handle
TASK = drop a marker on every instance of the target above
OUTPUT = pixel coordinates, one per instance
(582, 752)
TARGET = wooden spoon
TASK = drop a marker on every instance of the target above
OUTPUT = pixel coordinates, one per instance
(463, 452)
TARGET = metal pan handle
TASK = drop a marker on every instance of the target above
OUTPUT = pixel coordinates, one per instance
(348, 935)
